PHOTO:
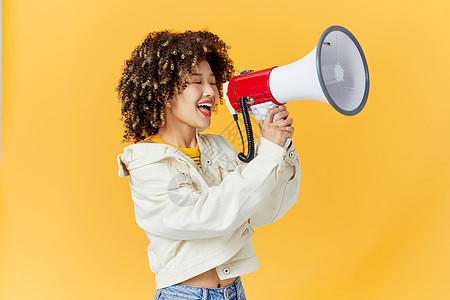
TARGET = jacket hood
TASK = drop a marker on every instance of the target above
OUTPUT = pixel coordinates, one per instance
(138, 155)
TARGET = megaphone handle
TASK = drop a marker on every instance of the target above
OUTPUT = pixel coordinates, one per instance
(248, 128)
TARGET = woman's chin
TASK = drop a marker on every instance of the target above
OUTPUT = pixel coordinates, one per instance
(203, 127)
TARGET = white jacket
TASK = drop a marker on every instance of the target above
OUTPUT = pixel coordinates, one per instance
(197, 219)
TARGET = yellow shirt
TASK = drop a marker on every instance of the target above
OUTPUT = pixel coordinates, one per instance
(193, 153)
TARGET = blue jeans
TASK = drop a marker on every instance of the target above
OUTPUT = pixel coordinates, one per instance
(235, 291)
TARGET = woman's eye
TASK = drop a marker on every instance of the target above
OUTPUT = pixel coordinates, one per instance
(199, 82)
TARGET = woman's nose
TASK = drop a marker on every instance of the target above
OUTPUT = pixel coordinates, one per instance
(208, 90)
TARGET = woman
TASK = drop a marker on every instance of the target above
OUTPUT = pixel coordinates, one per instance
(196, 201)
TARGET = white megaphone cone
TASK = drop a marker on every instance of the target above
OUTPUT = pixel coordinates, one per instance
(335, 72)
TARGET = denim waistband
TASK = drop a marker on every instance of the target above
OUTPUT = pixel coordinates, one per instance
(234, 291)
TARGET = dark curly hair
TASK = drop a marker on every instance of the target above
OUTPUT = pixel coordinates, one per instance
(158, 69)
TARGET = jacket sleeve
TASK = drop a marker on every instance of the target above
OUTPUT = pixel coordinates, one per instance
(172, 205)
(285, 193)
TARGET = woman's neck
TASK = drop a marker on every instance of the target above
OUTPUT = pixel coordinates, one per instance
(180, 137)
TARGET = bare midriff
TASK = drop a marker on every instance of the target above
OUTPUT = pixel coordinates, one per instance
(209, 279)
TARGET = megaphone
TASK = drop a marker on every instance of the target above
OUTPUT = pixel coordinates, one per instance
(334, 72)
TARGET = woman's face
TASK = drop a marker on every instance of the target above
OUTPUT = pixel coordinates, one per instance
(193, 107)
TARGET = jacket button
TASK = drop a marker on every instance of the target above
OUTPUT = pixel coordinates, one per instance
(245, 232)
(291, 154)
(208, 161)
(226, 271)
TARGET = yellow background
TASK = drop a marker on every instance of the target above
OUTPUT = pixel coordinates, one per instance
(372, 220)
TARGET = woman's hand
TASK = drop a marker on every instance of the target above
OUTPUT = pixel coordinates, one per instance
(277, 128)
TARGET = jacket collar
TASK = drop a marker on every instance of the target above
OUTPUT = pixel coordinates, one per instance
(137, 155)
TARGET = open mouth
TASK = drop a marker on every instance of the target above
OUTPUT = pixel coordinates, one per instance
(205, 108)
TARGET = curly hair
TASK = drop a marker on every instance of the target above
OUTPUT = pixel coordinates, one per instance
(158, 69)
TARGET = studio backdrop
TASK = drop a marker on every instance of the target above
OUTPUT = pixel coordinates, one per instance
(371, 221)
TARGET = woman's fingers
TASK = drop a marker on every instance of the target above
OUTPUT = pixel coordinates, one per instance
(276, 113)
(286, 122)
(276, 126)
(289, 129)
(281, 115)
(270, 114)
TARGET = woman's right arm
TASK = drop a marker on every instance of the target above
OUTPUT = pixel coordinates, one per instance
(172, 205)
